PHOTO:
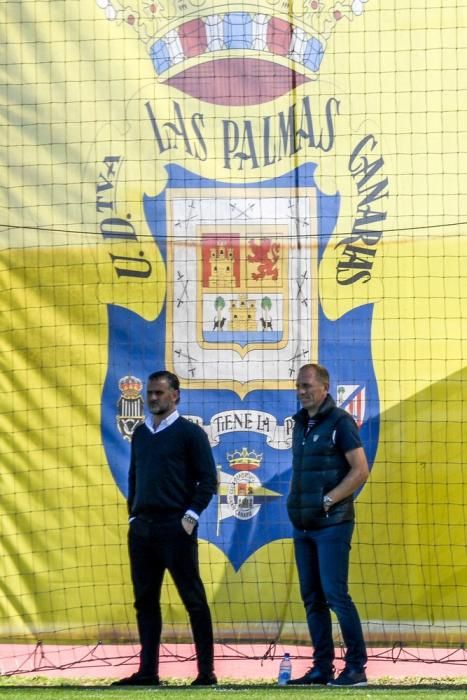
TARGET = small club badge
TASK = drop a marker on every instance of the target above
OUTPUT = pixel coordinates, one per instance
(130, 405)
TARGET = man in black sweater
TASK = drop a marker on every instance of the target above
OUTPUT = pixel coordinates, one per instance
(172, 479)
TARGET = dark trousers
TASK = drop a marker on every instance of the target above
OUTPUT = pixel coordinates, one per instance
(154, 548)
(322, 558)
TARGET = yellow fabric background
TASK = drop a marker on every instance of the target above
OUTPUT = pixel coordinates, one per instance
(74, 84)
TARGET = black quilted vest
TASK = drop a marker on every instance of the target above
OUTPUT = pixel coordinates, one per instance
(317, 467)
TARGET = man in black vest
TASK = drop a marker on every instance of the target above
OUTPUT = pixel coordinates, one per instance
(329, 465)
(172, 479)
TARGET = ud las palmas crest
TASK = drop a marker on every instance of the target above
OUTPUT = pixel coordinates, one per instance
(242, 255)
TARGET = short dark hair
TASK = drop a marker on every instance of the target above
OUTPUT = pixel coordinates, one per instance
(320, 371)
(171, 378)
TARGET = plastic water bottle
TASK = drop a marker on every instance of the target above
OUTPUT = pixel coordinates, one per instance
(285, 670)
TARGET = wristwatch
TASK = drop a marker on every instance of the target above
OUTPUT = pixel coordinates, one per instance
(327, 502)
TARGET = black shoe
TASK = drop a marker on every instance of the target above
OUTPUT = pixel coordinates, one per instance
(205, 679)
(138, 679)
(349, 678)
(315, 676)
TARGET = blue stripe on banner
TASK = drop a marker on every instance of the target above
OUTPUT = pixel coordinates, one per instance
(243, 338)
(160, 56)
(238, 30)
(313, 55)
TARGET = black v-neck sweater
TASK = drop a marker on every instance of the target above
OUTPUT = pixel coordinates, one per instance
(171, 471)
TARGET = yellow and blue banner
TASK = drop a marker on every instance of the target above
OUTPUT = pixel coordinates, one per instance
(229, 191)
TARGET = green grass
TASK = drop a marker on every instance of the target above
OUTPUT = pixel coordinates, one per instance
(42, 688)
(235, 694)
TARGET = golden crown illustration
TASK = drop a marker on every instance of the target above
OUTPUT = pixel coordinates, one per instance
(242, 460)
(130, 387)
(174, 31)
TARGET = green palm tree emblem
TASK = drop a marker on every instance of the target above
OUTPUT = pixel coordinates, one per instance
(266, 305)
(219, 320)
